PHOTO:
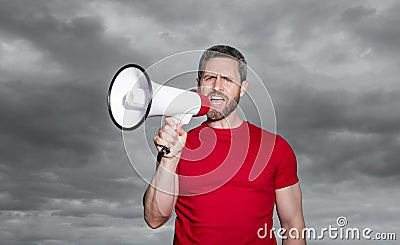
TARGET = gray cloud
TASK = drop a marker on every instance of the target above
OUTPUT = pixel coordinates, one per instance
(381, 31)
(78, 43)
(342, 132)
(356, 14)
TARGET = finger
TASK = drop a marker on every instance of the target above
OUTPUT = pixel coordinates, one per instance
(170, 121)
(167, 129)
(170, 130)
(167, 133)
(180, 130)
(167, 137)
(159, 142)
(163, 146)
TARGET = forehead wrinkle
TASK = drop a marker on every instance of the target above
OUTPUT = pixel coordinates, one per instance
(218, 73)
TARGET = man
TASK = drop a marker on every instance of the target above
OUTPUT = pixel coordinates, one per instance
(230, 172)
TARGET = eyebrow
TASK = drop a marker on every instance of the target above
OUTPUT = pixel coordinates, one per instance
(215, 74)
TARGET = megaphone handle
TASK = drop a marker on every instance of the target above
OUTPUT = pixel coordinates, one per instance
(164, 150)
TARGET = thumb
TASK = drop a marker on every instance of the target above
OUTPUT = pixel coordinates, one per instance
(179, 129)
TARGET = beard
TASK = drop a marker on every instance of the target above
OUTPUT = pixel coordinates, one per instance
(231, 104)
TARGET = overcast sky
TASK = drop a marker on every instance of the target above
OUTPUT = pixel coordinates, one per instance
(331, 68)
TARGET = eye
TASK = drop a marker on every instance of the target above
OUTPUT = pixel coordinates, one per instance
(209, 78)
(227, 80)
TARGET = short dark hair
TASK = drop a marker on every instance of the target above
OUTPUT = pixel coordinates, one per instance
(223, 51)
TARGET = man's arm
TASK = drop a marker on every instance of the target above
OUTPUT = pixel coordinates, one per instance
(290, 212)
(160, 197)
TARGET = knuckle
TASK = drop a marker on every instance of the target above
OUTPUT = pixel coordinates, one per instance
(160, 141)
(169, 119)
(168, 128)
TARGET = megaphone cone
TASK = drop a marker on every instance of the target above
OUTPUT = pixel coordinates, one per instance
(132, 97)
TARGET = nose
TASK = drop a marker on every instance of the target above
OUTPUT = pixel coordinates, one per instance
(218, 84)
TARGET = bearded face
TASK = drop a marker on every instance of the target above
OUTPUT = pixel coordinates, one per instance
(220, 83)
(221, 105)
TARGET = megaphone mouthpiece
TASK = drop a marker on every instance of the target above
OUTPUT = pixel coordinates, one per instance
(205, 105)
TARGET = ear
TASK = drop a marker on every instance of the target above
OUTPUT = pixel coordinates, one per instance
(198, 85)
(243, 88)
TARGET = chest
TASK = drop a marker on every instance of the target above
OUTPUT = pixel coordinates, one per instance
(230, 162)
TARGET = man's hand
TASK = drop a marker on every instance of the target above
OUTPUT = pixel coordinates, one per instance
(171, 135)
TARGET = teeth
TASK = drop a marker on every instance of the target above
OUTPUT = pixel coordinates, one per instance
(217, 98)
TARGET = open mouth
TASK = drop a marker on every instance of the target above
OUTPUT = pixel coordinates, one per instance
(217, 99)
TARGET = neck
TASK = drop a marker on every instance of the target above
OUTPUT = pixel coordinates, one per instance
(231, 121)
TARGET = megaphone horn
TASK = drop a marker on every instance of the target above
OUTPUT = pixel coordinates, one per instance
(132, 97)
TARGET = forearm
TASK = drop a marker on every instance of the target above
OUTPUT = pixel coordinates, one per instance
(160, 197)
(294, 234)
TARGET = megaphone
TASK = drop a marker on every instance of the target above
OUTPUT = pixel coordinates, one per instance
(133, 97)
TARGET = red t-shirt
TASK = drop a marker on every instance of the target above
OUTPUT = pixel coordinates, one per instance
(227, 183)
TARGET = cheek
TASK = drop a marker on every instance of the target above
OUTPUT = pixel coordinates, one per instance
(205, 90)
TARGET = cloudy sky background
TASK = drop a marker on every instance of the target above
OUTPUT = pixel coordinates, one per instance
(331, 69)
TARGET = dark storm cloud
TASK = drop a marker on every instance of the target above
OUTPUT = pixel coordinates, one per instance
(54, 116)
(381, 31)
(355, 14)
(57, 129)
(55, 138)
(344, 133)
(78, 43)
(340, 110)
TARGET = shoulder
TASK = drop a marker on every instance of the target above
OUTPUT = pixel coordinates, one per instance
(277, 139)
(279, 143)
(253, 129)
(282, 144)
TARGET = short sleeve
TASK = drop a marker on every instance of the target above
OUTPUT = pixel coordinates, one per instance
(286, 174)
